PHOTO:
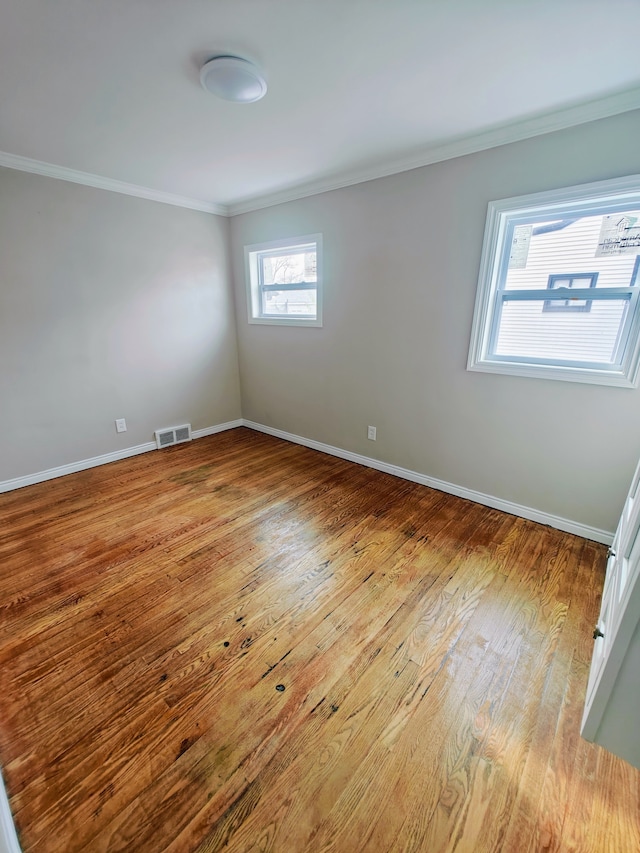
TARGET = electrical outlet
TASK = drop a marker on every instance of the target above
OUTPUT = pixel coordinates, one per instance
(371, 433)
(121, 425)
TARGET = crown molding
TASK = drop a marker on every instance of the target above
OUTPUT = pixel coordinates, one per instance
(562, 119)
(527, 128)
(62, 173)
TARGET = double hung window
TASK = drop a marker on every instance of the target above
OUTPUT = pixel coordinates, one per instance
(284, 281)
(558, 295)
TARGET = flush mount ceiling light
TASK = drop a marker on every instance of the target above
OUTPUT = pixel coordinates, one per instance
(233, 79)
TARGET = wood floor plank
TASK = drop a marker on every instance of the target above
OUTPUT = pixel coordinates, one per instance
(433, 654)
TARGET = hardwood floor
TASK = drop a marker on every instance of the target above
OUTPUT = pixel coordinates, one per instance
(243, 644)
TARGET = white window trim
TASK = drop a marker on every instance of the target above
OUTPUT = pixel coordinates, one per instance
(252, 281)
(562, 201)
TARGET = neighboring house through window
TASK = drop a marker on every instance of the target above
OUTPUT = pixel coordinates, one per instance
(558, 294)
(284, 281)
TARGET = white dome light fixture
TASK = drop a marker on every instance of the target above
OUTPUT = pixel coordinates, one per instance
(233, 79)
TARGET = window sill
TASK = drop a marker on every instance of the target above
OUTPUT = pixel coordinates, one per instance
(286, 321)
(613, 378)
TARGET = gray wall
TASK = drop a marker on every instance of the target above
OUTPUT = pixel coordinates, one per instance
(110, 307)
(401, 258)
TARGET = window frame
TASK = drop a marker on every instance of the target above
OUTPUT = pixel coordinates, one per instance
(256, 288)
(503, 216)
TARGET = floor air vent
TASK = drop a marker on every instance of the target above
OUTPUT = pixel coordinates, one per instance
(173, 435)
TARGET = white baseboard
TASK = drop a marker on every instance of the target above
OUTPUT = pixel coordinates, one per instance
(8, 837)
(94, 461)
(72, 467)
(558, 522)
(201, 433)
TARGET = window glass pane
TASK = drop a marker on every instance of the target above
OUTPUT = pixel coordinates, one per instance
(289, 268)
(527, 330)
(602, 244)
(287, 302)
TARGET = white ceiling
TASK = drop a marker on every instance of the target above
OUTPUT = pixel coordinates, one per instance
(356, 87)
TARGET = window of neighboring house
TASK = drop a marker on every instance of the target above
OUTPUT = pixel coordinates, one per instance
(559, 288)
(581, 280)
(284, 281)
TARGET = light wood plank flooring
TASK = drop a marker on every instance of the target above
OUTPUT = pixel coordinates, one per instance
(243, 644)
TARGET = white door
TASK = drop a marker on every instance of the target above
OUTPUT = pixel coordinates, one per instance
(611, 714)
